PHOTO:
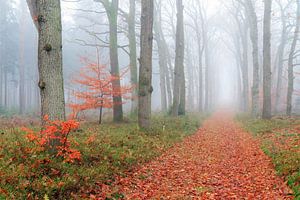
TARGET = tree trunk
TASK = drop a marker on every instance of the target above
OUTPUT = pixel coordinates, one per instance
(50, 59)
(181, 109)
(281, 50)
(133, 56)
(22, 96)
(267, 76)
(145, 76)
(112, 13)
(200, 57)
(251, 15)
(291, 64)
(163, 65)
(179, 86)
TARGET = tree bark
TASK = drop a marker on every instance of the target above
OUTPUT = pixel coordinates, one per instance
(112, 14)
(179, 85)
(267, 109)
(47, 18)
(252, 18)
(145, 74)
(133, 56)
(50, 59)
(291, 63)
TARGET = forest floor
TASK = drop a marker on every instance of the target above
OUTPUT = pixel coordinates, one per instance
(220, 161)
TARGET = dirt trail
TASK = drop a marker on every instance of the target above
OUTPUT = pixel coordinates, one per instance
(221, 161)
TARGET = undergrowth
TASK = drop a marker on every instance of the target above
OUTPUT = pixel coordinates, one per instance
(106, 151)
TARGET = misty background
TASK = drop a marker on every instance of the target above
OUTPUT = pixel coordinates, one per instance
(217, 41)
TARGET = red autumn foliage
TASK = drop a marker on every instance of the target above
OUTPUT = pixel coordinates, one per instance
(59, 131)
(98, 90)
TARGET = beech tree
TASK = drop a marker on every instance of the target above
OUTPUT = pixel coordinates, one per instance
(47, 18)
(112, 8)
(267, 109)
(291, 63)
(252, 20)
(281, 51)
(145, 75)
(179, 78)
(130, 18)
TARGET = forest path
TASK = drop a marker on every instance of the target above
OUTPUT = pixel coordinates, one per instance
(221, 161)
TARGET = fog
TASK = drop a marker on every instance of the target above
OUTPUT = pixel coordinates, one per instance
(218, 49)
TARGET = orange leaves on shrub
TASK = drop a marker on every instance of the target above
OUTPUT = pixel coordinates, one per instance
(56, 131)
(96, 88)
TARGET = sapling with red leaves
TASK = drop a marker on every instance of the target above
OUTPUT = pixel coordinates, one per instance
(99, 93)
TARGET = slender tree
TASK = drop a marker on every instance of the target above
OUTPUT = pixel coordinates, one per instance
(145, 74)
(179, 86)
(22, 96)
(112, 8)
(291, 63)
(130, 18)
(267, 109)
(163, 61)
(281, 50)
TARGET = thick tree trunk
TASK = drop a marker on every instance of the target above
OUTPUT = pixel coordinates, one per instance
(133, 56)
(50, 59)
(178, 101)
(291, 64)
(145, 74)
(252, 18)
(267, 76)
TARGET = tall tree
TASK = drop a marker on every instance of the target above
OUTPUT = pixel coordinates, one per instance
(281, 50)
(267, 109)
(179, 86)
(130, 18)
(291, 63)
(22, 96)
(47, 17)
(145, 74)
(252, 18)
(133, 57)
(162, 53)
(112, 8)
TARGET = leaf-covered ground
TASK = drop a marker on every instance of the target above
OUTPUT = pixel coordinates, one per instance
(221, 161)
(280, 140)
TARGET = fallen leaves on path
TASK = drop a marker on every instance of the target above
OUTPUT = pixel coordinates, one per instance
(221, 161)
